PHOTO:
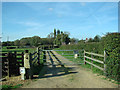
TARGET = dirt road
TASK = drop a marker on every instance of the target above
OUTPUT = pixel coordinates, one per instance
(57, 75)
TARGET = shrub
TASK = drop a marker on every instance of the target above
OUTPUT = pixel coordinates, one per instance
(112, 46)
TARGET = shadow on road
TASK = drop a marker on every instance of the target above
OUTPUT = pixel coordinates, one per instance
(53, 69)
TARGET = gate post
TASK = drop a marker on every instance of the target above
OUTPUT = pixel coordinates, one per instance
(31, 67)
(91, 60)
(84, 57)
(104, 61)
(38, 56)
(28, 64)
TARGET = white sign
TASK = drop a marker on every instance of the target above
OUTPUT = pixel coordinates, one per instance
(22, 70)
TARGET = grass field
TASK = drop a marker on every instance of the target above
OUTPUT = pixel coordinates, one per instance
(4, 49)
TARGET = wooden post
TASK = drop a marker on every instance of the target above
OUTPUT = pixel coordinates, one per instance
(31, 66)
(84, 57)
(38, 54)
(8, 57)
(9, 63)
(16, 63)
(30, 59)
(91, 60)
(22, 59)
(104, 61)
(27, 63)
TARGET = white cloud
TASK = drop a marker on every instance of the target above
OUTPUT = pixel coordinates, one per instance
(33, 29)
(30, 23)
(32, 26)
(82, 3)
(50, 9)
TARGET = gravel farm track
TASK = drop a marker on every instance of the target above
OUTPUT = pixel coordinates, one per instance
(55, 74)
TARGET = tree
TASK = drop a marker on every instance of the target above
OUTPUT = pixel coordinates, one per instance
(97, 38)
(24, 42)
(66, 38)
(58, 32)
(51, 35)
(17, 42)
(36, 40)
(54, 33)
(74, 40)
(30, 41)
(58, 40)
(90, 40)
(62, 35)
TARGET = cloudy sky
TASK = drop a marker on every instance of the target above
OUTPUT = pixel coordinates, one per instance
(81, 19)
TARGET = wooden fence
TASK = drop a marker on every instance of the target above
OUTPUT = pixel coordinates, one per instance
(11, 61)
(95, 60)
(34, 57)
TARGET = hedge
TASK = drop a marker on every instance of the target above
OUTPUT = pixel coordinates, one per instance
(111, 44)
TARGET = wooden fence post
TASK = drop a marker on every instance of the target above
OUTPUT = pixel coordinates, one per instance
(91, 61)
(84, 57)
(104, 61)
(8, 57)
(27, 63)
(38, 55)
(16, 63)
(22, 59)
(30, 59)
(31, 66)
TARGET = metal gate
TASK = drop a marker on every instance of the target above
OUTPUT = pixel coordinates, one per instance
(76, 56)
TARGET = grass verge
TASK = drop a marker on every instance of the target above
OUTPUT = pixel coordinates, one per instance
(8, 87)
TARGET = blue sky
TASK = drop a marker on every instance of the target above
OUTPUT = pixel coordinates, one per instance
(81, 19)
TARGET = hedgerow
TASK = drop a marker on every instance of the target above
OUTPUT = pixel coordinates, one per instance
(111, 44)
(112, 47)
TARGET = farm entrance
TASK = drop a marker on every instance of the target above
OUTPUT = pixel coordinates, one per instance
(76, 56)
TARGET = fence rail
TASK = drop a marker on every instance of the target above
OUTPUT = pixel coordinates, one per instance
(94, 54)
(96, 60)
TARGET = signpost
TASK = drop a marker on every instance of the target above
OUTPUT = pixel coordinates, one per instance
(22, 72)
(75, 54)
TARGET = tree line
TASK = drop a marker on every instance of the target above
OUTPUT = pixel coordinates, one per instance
(56, 38)
(29, 41)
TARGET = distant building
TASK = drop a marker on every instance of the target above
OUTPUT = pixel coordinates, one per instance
(86, 40)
